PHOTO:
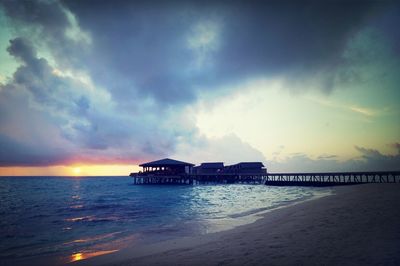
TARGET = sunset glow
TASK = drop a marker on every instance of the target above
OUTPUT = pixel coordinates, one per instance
(76, 170)
(82, 170)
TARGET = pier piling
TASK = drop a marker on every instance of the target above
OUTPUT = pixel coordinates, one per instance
(277, 179)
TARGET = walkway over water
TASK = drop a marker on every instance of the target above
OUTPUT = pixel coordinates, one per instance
(277, 179)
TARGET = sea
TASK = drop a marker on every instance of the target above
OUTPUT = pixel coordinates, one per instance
(64, 219)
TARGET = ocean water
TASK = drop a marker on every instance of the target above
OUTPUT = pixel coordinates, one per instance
(72, 218)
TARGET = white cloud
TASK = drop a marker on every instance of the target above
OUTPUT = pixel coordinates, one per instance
(363, 111)
(229, 149)
(74, 32)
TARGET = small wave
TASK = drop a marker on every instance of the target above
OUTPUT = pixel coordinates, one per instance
(104, 206)
(250, 212)
(93, 238)
(106, 219)
(92, 218)
(79, 206)
(23, 246)
(79, 219)
(39, 216)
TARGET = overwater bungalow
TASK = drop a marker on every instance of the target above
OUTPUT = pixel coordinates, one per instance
(169, 171)
(209, 168)
(166, 167)
(246, 168)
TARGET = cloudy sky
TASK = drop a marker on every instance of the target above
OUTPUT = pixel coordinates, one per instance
(96, 87)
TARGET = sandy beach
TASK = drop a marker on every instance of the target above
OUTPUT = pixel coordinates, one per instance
(358, 225)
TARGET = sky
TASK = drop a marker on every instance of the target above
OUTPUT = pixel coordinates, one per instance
(98, 87)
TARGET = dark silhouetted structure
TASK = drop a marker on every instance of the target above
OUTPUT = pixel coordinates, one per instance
(167, 167)
(246, 168)
(169, 171)
(209, 168)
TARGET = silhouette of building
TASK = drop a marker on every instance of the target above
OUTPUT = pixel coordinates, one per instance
(167, 167)
(246, 168)
(209, 168)
(170, 167)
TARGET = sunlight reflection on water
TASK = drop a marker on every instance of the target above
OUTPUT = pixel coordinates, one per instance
(92, 239)
(85, 255)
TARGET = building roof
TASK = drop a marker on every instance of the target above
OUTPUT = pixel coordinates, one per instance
(249, 164)
(212, 165)
(165, 162)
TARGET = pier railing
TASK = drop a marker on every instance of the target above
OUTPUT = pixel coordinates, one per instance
(280, 179)
(336, 178)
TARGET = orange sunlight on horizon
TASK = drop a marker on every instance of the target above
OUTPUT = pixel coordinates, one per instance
(70, 170)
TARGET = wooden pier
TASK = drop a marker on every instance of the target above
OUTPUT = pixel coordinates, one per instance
(273, 179)
(331, 179)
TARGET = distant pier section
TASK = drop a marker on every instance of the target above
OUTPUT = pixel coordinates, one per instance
(169, 171)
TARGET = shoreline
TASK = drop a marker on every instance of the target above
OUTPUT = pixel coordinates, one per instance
(210, 226)
(356, 225)
(232, 218)
(148, 248)
(252, 216)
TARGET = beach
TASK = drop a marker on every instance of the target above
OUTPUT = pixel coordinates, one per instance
(357, 225)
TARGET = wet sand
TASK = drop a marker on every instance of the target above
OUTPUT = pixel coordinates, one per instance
(358, 225)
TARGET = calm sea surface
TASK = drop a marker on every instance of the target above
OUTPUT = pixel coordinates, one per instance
(72, 218)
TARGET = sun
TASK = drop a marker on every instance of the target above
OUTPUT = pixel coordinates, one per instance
(76, 170)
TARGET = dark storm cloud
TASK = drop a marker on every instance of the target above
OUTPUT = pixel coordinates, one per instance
(46, 23)
(388, 24)
(144, 44)
(22, 50)
(46, 14)
(140, 50)
(290, 36)
(36, 75)
(14, 153)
